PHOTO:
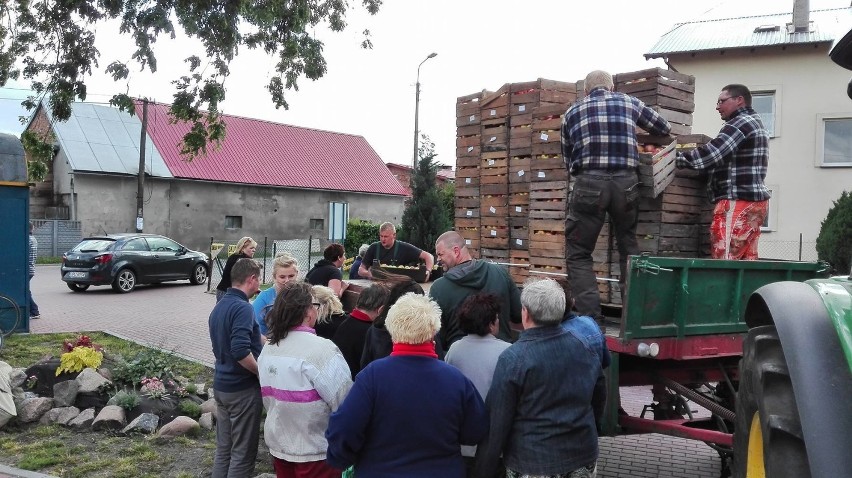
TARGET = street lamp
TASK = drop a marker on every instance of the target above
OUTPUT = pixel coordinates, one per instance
(417, 106)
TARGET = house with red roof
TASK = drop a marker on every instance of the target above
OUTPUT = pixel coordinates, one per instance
(265, 180)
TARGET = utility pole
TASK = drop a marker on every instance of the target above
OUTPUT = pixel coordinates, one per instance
(417, 110)
(140, 185)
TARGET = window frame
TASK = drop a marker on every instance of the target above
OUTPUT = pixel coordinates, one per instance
(311, 224)
(232, 220)
(819, 157)
(772, 91)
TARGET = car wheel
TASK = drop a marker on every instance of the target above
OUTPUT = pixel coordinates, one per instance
(199, 274)
(77, 287)
(125, 281)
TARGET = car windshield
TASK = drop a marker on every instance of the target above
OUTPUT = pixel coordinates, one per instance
(93, 245)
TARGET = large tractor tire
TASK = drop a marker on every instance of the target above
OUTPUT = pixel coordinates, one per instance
(793, 416)
(768, 436)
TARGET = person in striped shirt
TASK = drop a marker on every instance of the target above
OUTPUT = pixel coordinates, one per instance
(736, 162)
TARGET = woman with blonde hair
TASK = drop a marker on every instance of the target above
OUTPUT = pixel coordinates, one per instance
(285, 268)
(245, 248)
(330, 311)
(303, 379)
(409, 413)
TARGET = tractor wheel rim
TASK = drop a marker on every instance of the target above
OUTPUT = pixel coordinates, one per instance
(755, 467)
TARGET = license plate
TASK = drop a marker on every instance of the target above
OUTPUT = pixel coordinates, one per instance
(76, 275)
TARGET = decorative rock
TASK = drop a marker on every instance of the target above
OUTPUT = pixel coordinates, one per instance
(178, 427)
(18, 377)
(200, 390)
(111, 417)
(145, 423)
(206, 421)
(84, 419)
(64, 393)
(4, 418)
(209, 406)
(91, 381)
(105, 373)
(33, 408)
(61, 415)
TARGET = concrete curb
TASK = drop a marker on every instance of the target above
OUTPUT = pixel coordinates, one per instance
(8, 471)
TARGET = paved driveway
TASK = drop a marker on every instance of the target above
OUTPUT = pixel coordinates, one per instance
(173, 316)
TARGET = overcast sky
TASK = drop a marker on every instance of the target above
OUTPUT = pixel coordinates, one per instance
(481, 44)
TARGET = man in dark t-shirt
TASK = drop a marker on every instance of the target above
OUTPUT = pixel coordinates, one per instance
(393, 252)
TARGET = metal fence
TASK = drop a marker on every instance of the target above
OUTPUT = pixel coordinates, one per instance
(306, 251)
(55, 237)
(800, 250)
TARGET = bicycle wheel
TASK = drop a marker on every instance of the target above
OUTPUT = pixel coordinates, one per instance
(10, 315)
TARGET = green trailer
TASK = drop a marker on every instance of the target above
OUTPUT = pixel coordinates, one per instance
(684, 326)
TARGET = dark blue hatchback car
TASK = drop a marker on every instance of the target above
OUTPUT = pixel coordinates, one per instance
(126, 260)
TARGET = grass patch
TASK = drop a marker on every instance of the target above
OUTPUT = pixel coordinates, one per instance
(48, 260)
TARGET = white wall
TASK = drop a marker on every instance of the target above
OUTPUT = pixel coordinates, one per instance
(807, 84)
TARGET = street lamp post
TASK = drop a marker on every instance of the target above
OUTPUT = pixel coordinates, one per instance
(417, 107)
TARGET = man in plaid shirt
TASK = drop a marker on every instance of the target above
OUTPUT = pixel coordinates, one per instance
(599, 147)
(736, 162)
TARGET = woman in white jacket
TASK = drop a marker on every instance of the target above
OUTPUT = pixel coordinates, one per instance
(303, 379)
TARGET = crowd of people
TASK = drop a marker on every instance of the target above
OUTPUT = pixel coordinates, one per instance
(381, 391)
(442, 384)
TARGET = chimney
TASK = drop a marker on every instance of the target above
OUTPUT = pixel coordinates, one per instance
(801, 20)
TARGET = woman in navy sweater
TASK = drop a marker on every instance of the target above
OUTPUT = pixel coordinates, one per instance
(407, 414)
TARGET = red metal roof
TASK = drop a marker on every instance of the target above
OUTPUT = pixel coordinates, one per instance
(272, 154)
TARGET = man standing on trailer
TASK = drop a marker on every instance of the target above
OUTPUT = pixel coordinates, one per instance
(736, 161)
(600, 149)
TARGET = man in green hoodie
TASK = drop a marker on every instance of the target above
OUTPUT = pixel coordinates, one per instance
(464, 276)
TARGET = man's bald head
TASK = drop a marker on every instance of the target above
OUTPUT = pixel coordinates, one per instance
(451, 249)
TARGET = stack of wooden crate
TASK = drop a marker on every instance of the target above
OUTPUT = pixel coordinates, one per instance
(512, 185)
(468, 151)
(498, 182)
(670, 93)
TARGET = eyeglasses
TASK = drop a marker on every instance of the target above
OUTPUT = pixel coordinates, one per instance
(316, 304)
(722, 100)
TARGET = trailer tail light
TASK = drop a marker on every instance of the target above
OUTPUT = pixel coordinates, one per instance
(645, 350)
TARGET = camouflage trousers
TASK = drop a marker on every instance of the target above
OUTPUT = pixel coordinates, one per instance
(588, 471)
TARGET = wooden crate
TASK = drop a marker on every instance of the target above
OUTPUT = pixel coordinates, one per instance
(494, 254)
(552, 267)
(519, 168)
(548, 200)
(519, 233)
(468, 108)
(519, 271)
(548, 168)
(495, 105)
(657, 171)
(494, 206)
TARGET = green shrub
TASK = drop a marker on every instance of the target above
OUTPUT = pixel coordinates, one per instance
(190, 409)
(127, 400)
(191, 388)
(146, 364)
(359, 232)
(426, 216)
(834, 243)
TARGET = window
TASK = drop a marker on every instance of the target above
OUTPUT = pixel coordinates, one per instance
(317, 224)
(162, 244)
(233, 222)
(763, 103)
(834, 142)
(137, 244)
